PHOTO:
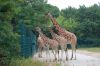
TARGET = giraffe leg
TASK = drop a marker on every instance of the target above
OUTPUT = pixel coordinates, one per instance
(75, 53)
(49, 54)
(57, 51)
(72, 52)
(58, 54)
(40, 53)
(66, 51)
(54, 53)
(62, 53)
(47, 51)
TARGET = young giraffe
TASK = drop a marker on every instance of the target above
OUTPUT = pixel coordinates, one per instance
(62, 43)
(71, 38)
(41, 45)
(49, 43)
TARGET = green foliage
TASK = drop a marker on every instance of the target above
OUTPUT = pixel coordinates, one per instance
(69, 13)
(53, 10)
(9, 42)
(69, 24)
(32, 12)
(84, 21)
(26, 62)
(29, 62)
(8, 9)
(88, 42)
(9, 45)
(4, 56)
(91, 49)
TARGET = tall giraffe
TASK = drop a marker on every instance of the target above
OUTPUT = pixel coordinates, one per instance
(71, 37)
(62, 43)
(49, 43)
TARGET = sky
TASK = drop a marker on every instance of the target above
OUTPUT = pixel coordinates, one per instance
(61, 4)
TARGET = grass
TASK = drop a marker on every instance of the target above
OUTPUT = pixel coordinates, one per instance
(91, 49)
(28, 62)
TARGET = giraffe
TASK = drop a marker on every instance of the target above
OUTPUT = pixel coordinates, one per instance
(41, 45)
(62, 42)
(49, 43)
(70, 37)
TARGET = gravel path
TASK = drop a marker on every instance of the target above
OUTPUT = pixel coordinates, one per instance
(82, 59)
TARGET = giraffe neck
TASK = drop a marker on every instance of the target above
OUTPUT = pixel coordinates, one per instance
(56, 25)
(53, 34)
(42, 35)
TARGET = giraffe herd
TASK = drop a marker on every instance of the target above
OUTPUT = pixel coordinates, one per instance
(61, 39)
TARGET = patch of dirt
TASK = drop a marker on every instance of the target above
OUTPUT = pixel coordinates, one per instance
(84, 58)
(94, 54)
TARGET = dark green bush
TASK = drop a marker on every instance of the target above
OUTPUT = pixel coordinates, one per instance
(88, 42)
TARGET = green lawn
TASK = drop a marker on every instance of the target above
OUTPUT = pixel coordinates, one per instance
(92, 49)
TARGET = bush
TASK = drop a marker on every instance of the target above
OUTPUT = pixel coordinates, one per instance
(19, 61)
(27, 62)
(4, 57)
(88, 42)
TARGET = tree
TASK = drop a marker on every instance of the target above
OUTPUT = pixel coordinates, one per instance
(85, 20)
(32, 12)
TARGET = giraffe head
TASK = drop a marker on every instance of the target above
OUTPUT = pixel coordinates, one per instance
(38, 29)
(48, 14)
(51, 30)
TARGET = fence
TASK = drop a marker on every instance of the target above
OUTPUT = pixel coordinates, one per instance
(27, 41)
